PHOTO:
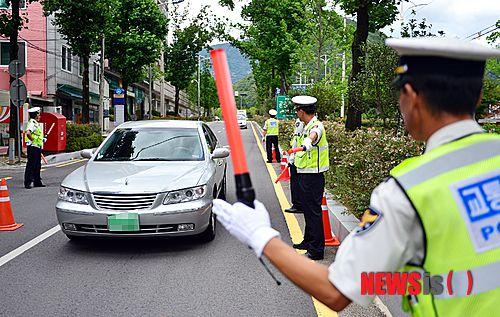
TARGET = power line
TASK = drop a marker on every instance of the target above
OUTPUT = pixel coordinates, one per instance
(479, 32)
(483, 34)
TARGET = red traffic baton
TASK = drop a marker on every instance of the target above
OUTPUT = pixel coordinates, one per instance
(244, 190)
(297, 149)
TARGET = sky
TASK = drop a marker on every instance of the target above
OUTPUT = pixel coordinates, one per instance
(457, 18)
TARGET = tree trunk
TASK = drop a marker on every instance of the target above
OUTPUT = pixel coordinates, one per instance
(319, 12)
(13, 52)
(176, 105)
(284, 88)
(354, 106)
(86, 90)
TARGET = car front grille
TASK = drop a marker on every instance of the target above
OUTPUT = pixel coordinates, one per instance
(142, 229)
(124, 202)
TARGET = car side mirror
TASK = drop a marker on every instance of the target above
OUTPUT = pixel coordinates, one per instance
(87, 153)
(220, 153)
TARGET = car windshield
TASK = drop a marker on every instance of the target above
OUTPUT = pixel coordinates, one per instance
(152, 144)
(241, 117)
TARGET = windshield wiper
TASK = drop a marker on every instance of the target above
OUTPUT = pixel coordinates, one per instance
(151, 159)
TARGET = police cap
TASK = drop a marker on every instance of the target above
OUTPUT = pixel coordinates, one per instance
(440, 56)
(34, 109)
(273, 112)
(304, 101)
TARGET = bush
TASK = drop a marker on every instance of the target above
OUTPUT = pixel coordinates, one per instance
(82, 136)
(491, 127)
(359, 160)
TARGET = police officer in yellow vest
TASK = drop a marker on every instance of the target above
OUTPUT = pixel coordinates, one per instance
(34, 140)
(437, 214)
(311, 165)
(271, 132)
(296, 207)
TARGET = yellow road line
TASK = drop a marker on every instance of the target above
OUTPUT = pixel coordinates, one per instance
(291, 221)
(70, 163)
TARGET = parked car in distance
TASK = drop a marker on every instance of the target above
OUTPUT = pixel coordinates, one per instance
(148, 178)
(242, 121)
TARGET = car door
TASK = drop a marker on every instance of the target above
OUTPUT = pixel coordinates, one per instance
(213, 162)
(219, 163)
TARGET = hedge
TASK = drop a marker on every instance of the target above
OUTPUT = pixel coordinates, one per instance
(82, 136)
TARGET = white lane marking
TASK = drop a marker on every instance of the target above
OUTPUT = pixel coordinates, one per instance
(28, 245)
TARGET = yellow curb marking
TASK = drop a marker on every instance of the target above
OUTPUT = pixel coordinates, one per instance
(70, 163)
(292, 223)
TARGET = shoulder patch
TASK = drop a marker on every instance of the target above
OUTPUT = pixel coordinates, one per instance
(369, 219)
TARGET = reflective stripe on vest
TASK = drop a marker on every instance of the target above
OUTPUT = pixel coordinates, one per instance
(455, 191)
(474, 281)
(449, 162)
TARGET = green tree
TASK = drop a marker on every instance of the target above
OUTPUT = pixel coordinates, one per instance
(11, 22)
(371, 15)
(275, 31)
(72, 19)
(135, 39)
(181, 57)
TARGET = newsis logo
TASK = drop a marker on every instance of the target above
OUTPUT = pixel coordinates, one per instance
(412, 283)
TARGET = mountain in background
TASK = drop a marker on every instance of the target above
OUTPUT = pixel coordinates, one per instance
(239, 65)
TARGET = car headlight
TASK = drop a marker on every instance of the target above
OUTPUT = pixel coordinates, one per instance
(73, 196)
(184, 195)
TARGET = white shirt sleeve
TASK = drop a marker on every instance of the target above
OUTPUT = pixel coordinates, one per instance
(264, 127)
(31, 126)
(319, 132)
(391, 242)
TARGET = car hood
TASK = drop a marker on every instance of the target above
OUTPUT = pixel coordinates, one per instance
(138, 177)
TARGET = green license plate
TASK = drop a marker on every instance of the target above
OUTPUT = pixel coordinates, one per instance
(123, 222)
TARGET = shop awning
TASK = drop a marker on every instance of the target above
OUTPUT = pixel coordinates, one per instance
(76, 93)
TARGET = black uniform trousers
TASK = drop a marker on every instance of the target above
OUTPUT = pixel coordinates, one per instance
(294, 187)
(312, 186)
(270, 140)
(33, 166)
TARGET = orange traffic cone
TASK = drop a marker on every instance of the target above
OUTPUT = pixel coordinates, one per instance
(285, 172)
(274, 155)
(330, 240)
(7, 222)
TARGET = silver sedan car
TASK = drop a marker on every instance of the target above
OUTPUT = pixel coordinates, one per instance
(148, 178)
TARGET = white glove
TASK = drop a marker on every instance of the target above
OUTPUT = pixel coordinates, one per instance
(250, 226)
(44, 140)
(264, 139)
(307, 143)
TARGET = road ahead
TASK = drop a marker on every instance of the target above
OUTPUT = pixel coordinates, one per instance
(177, 277)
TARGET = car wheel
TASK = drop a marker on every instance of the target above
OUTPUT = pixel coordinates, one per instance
(222, 193)
(209, 234)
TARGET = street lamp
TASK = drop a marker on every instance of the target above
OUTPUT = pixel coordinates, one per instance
(199, 83)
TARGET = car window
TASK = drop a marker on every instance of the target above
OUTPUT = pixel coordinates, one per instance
(242, 117)
(208, 138)
(152, 144)
(212, 136)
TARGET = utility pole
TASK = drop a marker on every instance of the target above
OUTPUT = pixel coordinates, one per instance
(199, 86)
(150, 94)
(101, 85)
(325, 60)
(342, 109)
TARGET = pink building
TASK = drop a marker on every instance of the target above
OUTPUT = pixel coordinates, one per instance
(32, 51)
